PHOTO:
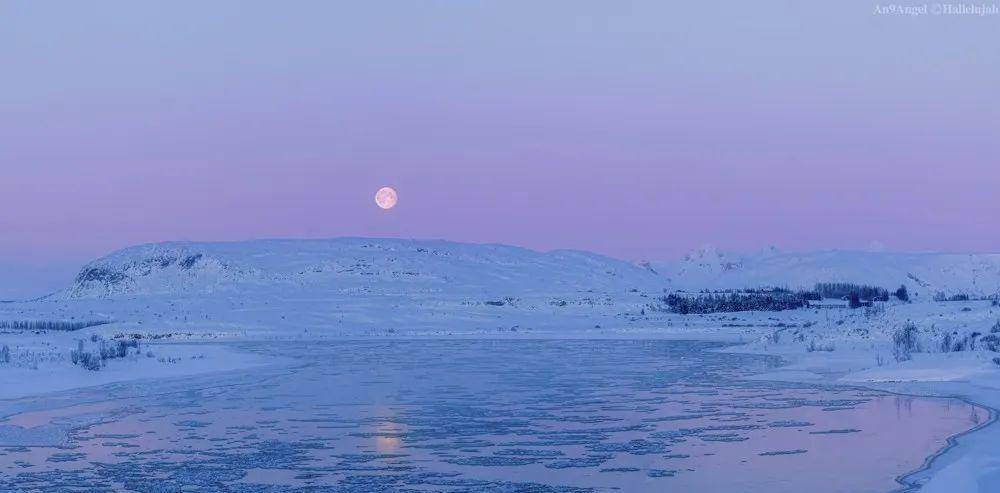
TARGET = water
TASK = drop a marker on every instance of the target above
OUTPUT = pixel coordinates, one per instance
(476, 416)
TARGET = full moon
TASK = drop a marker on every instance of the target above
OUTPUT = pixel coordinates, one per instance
(385, 197)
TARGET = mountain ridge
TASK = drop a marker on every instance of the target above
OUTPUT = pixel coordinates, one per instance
(925, 273)
(202, 267)
(378, 265)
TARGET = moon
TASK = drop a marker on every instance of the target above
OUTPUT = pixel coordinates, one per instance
(385, 198)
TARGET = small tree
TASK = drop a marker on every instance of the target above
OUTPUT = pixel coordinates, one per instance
(77, 354)
(904, 342)
(5, 354)
(855, 301)
(902, 294)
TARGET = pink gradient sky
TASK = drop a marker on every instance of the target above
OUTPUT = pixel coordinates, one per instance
(635, 129)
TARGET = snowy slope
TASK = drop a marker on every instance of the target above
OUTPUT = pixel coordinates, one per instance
(924, 274)
(347, 285)
(347, 266)
(351, 265)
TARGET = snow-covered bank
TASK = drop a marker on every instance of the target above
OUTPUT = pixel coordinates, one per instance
(970, 462)
(41, 367)
(860, 353)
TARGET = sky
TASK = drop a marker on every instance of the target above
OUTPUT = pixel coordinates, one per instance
(641, 130)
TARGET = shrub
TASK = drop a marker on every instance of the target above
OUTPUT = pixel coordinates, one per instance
(76, 354)
(960, 344)
(117, 350)
(904, 342)
(946, 343)
(990, 342)
(874, 310)
(829, 347)
(91, 362)
(80, 356)
(952, 343)
(855, 301)
(124, 346)
(774, 337)
(95, 360)
(902, 294)
(972, 339)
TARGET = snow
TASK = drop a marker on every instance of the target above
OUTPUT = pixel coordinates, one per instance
(349, 265)
(176, 296)
(925, 274)
(49, 370)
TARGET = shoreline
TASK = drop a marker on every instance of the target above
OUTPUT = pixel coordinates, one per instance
(916, 479)
(909, 480)
(186, 360)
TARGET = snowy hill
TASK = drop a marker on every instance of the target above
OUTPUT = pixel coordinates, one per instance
(351, 265)
(353, 285)
(346, 266)
(925, 274)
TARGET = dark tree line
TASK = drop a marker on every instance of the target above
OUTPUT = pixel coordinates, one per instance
(49, 324)
(941, 296)
(735, 302)
(778, 299)
(843, 290)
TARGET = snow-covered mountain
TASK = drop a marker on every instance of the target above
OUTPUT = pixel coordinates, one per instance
(347, 285)
(924, 274)
(352, 265)
(345, 266)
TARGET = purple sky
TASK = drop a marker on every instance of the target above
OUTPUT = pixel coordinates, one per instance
(635, 129)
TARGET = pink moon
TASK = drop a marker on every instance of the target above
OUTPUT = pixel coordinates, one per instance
(385, 198)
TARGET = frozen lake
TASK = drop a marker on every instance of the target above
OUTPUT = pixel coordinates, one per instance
(535, 416)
